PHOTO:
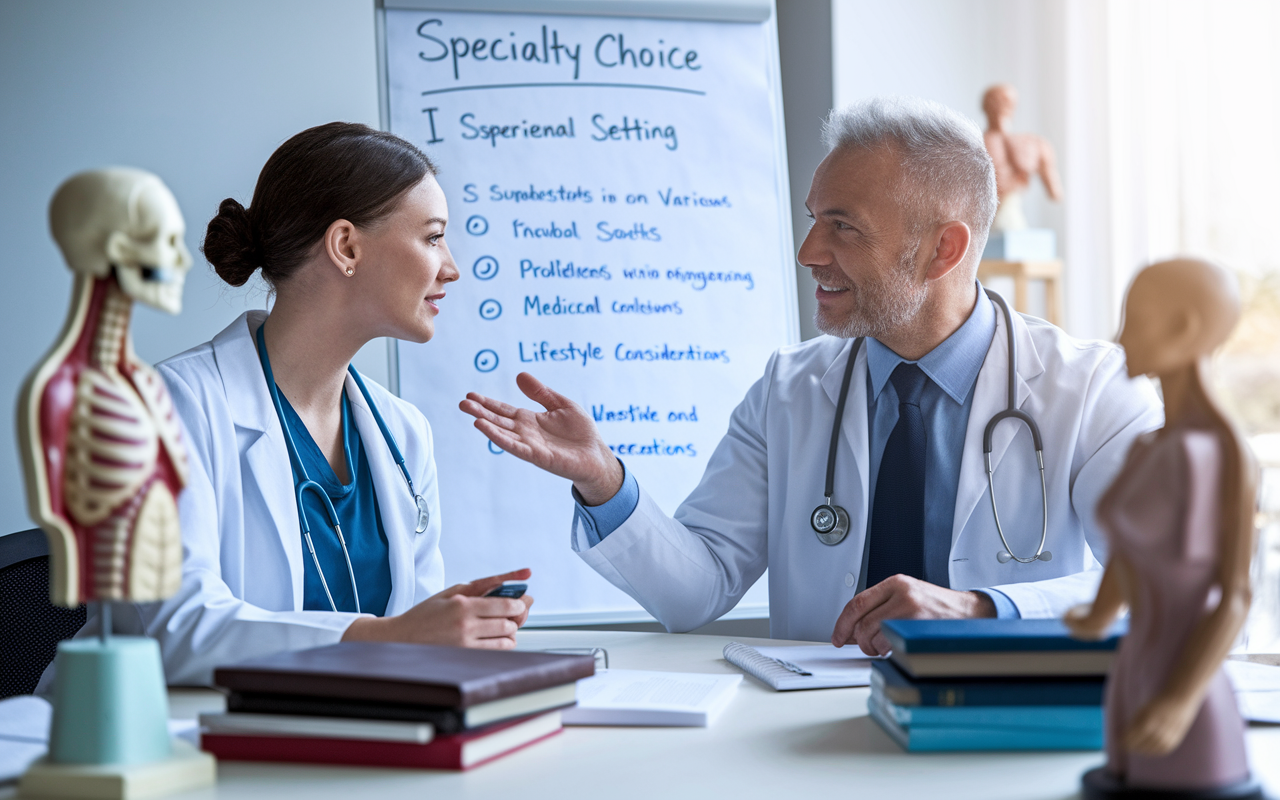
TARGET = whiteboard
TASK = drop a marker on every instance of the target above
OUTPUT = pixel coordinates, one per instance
(619, 212)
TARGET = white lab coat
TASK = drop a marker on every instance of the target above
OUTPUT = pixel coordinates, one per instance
(242, 568)
(751, 509)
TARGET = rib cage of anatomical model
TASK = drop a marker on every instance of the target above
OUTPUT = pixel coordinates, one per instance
(113, 457)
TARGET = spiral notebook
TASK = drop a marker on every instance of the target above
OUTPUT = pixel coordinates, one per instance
(787, 669)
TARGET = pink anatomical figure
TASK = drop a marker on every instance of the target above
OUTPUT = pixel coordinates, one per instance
(102, 448)
(1179, 520)
(1018, 157)
(1161, 516)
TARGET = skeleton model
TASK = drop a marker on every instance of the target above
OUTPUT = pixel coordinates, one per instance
(102, 448)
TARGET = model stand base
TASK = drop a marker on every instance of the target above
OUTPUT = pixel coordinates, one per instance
(187, 768)
(1098, 785)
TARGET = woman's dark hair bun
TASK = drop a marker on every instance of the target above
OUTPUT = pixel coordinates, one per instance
(230, 245)
(341, 170)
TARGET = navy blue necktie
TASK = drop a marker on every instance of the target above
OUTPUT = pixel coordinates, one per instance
(897, 516)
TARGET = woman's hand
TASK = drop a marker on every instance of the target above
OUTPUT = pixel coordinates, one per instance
(562, 440)
(460, 616)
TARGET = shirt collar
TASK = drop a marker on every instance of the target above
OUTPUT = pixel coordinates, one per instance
(953, 365)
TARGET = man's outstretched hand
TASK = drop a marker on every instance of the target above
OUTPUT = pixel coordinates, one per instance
(563, 439)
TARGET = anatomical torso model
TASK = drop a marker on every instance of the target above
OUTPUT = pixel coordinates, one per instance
(1179, 519)
(1018, 157)
(102, 447)
(1161, 517)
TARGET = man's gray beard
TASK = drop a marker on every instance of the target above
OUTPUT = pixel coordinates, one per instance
(882, 307)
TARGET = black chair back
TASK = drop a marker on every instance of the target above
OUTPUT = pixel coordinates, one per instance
(30, 625)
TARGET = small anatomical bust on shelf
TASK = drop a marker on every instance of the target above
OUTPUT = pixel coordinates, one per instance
(102, 449)
(1018, 157)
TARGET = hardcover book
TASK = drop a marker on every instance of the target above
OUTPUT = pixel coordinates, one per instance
(888, 680)
(925, 738)
(395, 672)
(459, 751)
(445, 720)
(996, 647)
(1030, 718)
(322, 727)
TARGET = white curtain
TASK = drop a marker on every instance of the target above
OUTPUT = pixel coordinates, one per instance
(1194, 108)
(1173, 111)
(1173, 146)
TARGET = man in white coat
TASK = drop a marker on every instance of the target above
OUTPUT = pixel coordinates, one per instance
(901, 208)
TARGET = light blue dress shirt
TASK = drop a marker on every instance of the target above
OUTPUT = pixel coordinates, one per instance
(952, 368)
(602, 520)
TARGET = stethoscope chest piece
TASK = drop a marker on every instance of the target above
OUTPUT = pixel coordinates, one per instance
(424, 514)
(831, 523)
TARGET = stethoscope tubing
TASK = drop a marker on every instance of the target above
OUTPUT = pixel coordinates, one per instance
(829, 490)
(1010, 412)
(308, 484)
(988, 434)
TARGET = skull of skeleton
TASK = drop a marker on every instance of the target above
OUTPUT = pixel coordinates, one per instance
(127, 220)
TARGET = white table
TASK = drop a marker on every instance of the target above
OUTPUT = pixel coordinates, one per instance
(767, 745)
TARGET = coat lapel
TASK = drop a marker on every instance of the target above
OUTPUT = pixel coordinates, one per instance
(399, 513)
(990, 396)
(853, 426)
(265, 460)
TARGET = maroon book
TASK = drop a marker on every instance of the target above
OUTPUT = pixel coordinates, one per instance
(459, 751)
(394, 672)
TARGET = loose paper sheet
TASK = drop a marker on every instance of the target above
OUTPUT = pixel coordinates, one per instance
(641, 697)
(24, 733)
(1257, 689)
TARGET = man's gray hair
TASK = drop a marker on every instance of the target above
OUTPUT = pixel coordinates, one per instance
(949, 174)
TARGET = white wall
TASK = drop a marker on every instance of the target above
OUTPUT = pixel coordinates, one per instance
(202, 93)
(805, 47)
(199, 93)
(951, 51)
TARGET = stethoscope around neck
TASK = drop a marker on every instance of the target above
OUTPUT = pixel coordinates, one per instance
(831, 522)
(302, 486)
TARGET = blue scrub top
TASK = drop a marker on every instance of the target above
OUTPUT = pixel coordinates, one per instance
(356, 504)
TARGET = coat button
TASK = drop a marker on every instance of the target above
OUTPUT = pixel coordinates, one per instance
(849, 580)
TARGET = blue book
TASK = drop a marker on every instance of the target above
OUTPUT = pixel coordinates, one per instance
(1075, 718)
(933, 648)
(901, 689)
(925, 738)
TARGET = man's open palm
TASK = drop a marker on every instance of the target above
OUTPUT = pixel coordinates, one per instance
(563, 440)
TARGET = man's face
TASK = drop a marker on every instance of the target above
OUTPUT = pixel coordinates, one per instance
(859, 249)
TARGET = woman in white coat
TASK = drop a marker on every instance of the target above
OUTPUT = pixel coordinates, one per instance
(347, 224)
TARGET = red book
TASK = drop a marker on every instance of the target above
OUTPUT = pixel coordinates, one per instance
(460, 751)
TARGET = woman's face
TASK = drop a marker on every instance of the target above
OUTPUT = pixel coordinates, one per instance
(405, 263)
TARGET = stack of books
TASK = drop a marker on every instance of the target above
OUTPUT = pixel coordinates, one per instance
(391, 705)
(990, 684)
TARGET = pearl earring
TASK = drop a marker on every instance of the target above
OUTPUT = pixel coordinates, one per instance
(350, 272)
